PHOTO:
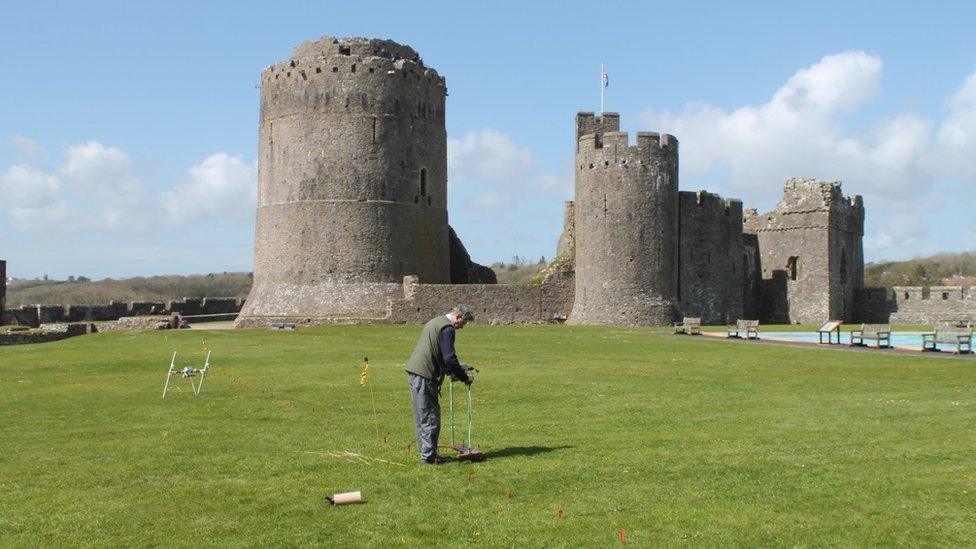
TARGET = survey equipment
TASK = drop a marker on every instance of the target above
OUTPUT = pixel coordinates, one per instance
(464, 451)
(188, 373)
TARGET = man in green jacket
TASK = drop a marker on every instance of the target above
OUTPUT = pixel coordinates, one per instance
(432, 359)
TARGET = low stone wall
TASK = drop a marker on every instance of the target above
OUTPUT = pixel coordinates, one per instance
(35, 315)
(917, 305)
(491, 303)
(45, 334)
(549, 301)
(127, 323)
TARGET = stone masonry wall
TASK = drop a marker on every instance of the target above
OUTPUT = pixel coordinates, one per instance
(491, 303)
(48, 334)
(918, 305)
(710, 279)
(35, 315)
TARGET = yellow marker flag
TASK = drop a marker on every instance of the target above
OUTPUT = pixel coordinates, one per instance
(362, 376)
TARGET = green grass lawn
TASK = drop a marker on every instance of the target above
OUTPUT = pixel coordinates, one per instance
(672, 440)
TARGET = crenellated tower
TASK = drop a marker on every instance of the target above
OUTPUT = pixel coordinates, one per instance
(811, 254)
(626, 224)
(352, 180)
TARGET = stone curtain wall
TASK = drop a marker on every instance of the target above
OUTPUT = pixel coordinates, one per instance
(711, 258)
(491, 303)
(914, 304)
(35, 315)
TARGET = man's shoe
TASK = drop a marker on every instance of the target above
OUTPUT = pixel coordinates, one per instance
(435, 460)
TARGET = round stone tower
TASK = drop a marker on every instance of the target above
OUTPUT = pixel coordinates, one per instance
(626, 217)
(352, 181)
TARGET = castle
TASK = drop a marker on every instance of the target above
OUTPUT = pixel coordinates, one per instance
(352, 221)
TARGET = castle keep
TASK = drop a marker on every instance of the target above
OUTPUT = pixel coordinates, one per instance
(352, 181)
(352, 221)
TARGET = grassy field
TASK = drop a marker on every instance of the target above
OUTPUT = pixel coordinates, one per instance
(593, 435)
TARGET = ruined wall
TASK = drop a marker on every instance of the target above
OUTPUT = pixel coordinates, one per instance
(48, 334)
(626, 227)
(352, 179)
(751, 277)
(810, 253)
(710, 261)
(35, 315)
(566, 247)
(491, 303)
(463, 269)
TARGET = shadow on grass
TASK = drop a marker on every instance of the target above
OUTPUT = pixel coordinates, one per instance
(517, 451)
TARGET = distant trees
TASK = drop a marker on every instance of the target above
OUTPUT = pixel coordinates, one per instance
(81, 289)
(927, 271)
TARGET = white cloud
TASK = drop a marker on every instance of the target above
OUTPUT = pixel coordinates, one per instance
(800, 131)
(106, 171)
(488, 155)
(222, 186)
(27, 149)
(493, 167)
(97, 188)
(24, 186)
(42, 217)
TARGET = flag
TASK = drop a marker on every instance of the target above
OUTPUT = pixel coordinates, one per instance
(606, 78)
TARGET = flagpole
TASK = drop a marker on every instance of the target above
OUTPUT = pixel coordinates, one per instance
(601, 88)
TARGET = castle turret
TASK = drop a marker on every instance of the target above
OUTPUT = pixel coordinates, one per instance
(811, 252)
(352, 184)
(626, 225)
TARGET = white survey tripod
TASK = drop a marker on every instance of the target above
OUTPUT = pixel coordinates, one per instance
(187, 373)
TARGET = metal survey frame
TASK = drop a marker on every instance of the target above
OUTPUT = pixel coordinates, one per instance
(188, 373)
(464, 451)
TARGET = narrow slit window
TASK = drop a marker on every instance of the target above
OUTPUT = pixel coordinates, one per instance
(791, 266)
(423, 181)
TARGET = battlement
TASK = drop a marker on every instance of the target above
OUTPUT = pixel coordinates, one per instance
(302, 69)
(587, 123)
(802, 194)
(621, 140)
(711, 201)
(614, 149)
(330, 46)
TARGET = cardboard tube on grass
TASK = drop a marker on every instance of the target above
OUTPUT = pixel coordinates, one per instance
(345, 498)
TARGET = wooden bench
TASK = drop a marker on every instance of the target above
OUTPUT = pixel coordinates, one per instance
(880, 333)
(689, 326)
(828, 328)
(749, 327)
(949, 334)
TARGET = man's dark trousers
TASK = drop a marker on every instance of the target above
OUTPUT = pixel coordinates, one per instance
(426, 414)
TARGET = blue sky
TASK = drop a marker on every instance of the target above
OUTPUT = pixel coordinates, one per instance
(128, 131)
